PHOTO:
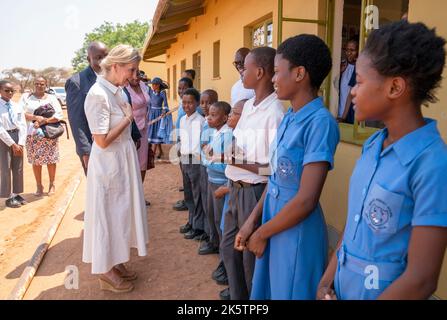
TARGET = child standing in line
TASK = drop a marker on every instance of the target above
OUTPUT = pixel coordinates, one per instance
(160, 131)
(291, 243)
(207, 98)
(396, 230)
(12, 141)
(215, 156)
(190, 131)
(222, 194)
(183, 85)
(248, 170)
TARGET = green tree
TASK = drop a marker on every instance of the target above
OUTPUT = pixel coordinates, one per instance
(133, 34)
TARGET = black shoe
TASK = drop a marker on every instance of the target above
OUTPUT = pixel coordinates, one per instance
(193, 233)
(225, 294)
(202, 237)
(222, 279)
(208, 248)
(20, 200)
(148, 203)
(219, 271)
(12, 203)
(186, 228)
(180, 206)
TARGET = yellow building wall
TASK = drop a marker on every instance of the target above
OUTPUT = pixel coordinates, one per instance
(432, 13)
(223, 21)
(155, 69)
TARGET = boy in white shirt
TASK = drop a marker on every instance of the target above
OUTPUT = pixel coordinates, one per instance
(12, 141)
(254, 133)
(190, 130)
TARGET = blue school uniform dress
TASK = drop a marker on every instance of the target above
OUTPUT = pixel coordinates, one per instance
(391, 191)
(159, 132)
(295, 259)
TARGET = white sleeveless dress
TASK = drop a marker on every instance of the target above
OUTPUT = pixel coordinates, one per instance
(115, 218)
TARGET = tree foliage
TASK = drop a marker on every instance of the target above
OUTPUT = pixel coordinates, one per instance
(133, 34)
(24, 77)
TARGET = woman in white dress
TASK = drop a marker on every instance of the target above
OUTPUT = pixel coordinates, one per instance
(115, 217)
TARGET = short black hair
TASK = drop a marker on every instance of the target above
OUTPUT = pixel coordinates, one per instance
(191, 72)
(265, 58)
(412, 51)
(188, 82)
(4, 82)
(310, 52)
(212, 94)
(222, 106)
(192, 92)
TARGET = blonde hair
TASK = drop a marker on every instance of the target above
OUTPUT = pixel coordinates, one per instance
(121, 54)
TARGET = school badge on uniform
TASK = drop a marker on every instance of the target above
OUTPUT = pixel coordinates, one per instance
(285, 167)
(378, 214)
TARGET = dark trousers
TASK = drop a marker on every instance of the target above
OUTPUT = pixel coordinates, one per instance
(9, 164)
(193, 198)
(239, 265)
(83, 165)
(204, 197)
(214, 212)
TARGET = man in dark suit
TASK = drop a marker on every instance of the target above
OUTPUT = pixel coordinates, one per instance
(77, 88)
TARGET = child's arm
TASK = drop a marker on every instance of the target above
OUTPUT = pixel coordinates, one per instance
(221, 192)
(325, 289)
(296, 210)
(165, 102)
(250, 224)
(425, 255)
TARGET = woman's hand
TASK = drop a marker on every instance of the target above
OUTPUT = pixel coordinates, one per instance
(257, 244)
(127, 109)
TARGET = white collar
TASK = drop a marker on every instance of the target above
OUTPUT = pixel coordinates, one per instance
(3, 102)
(110, 86)
(224, 129)
(192, 117)
(263, 104)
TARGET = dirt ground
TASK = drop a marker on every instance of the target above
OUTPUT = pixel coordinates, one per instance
(172, 270)
(21, 230)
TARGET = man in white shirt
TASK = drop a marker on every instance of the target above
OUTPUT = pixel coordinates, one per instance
(248, 171)
(238, 91)
(12, 141)
(190, 130)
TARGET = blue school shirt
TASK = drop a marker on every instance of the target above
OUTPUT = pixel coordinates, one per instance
(205, 137)
(295, 259)
(391, 191)
(220, 144)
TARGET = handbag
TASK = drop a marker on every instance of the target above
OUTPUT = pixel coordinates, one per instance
(51, 130)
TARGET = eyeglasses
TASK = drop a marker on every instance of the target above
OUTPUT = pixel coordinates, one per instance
(238, 65)
(9, 90)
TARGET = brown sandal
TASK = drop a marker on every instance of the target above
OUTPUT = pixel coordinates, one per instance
(122, 287)
(126, 274)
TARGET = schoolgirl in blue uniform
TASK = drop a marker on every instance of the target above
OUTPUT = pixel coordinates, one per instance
(395, 235)
(159, 132)
(291, 243)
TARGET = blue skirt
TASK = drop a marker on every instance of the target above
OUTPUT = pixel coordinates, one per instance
(160, 132)
(294, 260)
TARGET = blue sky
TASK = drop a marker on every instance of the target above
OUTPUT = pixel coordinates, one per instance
(43, 33)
